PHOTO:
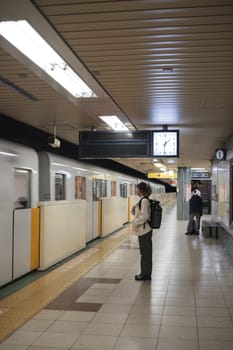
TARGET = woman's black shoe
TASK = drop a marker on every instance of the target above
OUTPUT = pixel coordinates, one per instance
(142, 278)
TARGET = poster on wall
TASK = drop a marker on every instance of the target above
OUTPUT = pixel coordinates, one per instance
(223, 191)
(187, 192)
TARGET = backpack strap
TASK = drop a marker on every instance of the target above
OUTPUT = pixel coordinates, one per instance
(140, 202)
(140, 206)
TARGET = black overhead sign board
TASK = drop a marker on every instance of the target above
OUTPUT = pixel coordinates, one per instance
(131, 144)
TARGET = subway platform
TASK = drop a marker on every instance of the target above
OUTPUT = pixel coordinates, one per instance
(93, 302)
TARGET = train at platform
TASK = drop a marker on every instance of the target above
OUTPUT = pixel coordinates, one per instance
(51, 206)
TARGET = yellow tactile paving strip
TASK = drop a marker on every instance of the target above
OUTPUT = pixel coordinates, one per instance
(24, 304)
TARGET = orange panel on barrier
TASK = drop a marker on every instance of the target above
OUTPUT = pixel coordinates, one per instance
(35, 238)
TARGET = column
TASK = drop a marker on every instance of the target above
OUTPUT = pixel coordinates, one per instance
(183, 192)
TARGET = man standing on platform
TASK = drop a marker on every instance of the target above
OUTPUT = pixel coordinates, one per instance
(195, 212)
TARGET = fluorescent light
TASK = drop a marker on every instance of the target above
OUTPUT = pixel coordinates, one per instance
(21, 35)
(114, 122)
(79, 169)
(8, 154)
(59, 164)
(199, 169)
(21, 171)
(171, 161)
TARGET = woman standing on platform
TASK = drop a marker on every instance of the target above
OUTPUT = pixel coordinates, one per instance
(142, 229)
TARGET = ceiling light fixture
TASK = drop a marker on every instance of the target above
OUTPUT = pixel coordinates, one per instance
(114, 122)
(158, 165)
(21, 35)
(199, 169)
(7, 154)
(167, 69)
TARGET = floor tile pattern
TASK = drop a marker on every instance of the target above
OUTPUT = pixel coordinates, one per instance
(73, 298)
(188, 305)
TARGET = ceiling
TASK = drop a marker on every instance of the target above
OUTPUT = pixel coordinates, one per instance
(150, 62)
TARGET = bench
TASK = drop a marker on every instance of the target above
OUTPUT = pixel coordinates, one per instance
(210, 224)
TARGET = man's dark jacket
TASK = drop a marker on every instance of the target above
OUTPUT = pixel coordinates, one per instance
(195, 204)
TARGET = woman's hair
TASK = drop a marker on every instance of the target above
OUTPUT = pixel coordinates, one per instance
(144, 188)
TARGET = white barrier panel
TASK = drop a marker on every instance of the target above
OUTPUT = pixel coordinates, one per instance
(22, 242)
(62, 230)
(95, 219)
(132, 200)
(124, 207)
(114, 214)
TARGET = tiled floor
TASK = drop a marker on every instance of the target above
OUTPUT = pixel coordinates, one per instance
(188, 305)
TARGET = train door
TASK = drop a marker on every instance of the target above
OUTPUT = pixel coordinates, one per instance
(80, 192)
(99, 190)
(21, 222)
(96, 208)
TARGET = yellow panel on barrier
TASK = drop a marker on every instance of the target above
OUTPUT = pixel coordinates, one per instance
(129, 208)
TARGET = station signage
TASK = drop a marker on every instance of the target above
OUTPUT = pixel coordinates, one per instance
(164, 175)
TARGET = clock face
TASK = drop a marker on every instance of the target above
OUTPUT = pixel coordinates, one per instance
(165, 143)
(220, 154)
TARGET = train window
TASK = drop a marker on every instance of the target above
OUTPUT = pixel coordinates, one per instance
(59, 187)
(99, 189)
(103, 188)
(113, 188)
(95, 190)
(22, 186)
(131, 189)
(123, 190)
(80, 187)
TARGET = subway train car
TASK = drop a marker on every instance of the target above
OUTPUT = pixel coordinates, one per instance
(19, 213)
(51, 206)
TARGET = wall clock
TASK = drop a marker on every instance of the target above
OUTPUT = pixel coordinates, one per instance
(165, 143)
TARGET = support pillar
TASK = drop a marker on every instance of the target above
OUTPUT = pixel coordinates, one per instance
(183, 192)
